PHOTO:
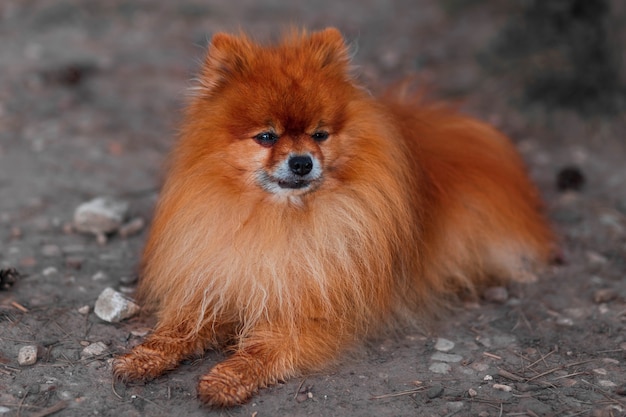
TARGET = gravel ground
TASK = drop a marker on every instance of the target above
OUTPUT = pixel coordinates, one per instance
(90, 95)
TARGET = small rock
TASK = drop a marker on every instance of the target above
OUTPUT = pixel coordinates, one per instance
(100, 216)
(488, 378)
(435, 391)
(564, 321)
(440, 368)
(604, 295)
(4, 410)
(570, 178)
(84, 310)
(132, 227)
(49, 271)
(606, 383)
(446, 357)
(99, 276)
(454, 406)
(141, 332)
(502, 387)
(113, 307)
(51, 251)
(472, 392)
(94, 349)
(496, 295)
(444, 345)
(128, 280)
(27, 355)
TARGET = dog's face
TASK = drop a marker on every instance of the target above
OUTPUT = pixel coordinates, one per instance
(283, 109)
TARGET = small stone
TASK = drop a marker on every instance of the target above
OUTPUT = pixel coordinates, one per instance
(113, 306)
(132, 227)
(100, 216)
(51, 251)
(604, 295)
(99, 276)
(502, 387)
(472, 392)
(570, 178)
(564, 321)
(84, 310)
(94, 349)
(27, 355)
(4, 410)
(444, 345)
(496, 295)
(446, 357)
(128, 280)
(488, 378)
(49, 271)
(435, 391)
(606, 383)
(440, 368)
(454, 406)
(141, 332)
(596, 259)
(66, 395)
(600, 371)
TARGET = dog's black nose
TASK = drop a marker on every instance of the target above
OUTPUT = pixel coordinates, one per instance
(300, 164)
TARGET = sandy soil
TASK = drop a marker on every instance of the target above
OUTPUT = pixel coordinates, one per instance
(90, 94)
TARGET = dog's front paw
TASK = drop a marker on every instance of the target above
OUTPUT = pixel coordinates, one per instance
(142, 364)
(226, 386)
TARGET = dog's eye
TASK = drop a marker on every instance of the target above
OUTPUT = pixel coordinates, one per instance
(320, 135)
(266, 138)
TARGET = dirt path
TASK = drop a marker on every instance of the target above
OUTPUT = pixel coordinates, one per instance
(90, 94)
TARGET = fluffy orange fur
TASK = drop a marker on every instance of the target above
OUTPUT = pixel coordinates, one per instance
(404, 206)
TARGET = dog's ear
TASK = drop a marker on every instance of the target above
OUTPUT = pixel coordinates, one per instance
(330, 47)
(227, 55)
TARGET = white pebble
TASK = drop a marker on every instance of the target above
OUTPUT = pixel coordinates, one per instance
(100, 216)
(488, 378)
(502, 387)
(440, 368)
(27, 355)
(444, 345)
(113, 306)
(454, 405)
(84, 310)
(606, 383)
(49, 271)
(99, 276)
(93, 349)
(446, 357)
(564, 321)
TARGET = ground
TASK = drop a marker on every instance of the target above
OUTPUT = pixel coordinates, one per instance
(90, 97)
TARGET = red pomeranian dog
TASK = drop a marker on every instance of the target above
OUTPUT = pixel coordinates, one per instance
(301, 215)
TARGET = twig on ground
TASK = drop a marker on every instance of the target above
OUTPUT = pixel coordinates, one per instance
(398, 394)
(51, 410)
